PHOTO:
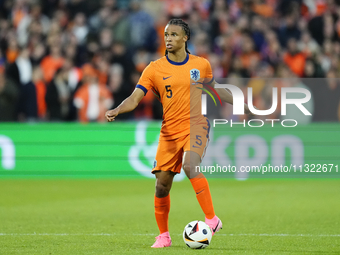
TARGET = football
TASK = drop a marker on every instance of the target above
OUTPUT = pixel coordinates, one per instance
(197, 235)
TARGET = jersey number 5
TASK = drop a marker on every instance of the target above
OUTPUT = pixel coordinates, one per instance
(169, 91)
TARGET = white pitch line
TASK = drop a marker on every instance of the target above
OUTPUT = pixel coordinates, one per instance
(150, 234)
(289, 235)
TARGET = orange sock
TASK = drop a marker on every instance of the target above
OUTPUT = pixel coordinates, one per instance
(201, 187)
(162, 208)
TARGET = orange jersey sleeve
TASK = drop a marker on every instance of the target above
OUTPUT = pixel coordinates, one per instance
(209, 74)
(146, 81)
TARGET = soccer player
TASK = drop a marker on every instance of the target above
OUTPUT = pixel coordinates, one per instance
(185, 131)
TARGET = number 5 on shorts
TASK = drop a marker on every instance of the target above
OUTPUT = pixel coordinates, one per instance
(199, 140)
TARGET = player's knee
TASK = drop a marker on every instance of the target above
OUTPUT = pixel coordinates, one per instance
(162, 189)
(186, 168)
(190, 170)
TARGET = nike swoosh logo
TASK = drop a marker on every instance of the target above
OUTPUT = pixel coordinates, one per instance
(166, 78)
(199, 192)
(214, 229)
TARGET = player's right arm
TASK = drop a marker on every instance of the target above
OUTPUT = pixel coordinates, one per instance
(128, 105)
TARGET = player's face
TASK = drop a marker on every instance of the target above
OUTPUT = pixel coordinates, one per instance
(174, 38)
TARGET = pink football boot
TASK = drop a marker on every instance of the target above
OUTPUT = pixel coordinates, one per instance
(163, 240)
(215, 224)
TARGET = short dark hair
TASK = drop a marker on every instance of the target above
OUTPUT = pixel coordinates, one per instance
(186, 29)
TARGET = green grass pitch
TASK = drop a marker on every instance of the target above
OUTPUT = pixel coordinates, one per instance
(116, 217)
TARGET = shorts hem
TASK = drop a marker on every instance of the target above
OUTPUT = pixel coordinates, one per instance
(153, 171)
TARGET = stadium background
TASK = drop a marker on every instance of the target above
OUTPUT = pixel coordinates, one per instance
(52, 50)
(52, 124)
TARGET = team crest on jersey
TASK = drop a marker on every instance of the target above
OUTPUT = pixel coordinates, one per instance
(195, 74)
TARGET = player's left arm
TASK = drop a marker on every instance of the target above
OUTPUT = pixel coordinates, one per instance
(227, 97)
(224, 94)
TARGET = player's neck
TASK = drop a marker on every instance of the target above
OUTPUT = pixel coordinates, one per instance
(178, 56)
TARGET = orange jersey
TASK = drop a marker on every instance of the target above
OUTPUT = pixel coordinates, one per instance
(175, 83)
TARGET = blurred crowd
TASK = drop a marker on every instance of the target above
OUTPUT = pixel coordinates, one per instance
(71, 60)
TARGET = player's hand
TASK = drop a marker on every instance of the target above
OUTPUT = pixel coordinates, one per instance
(246, 110)
(111, 115)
